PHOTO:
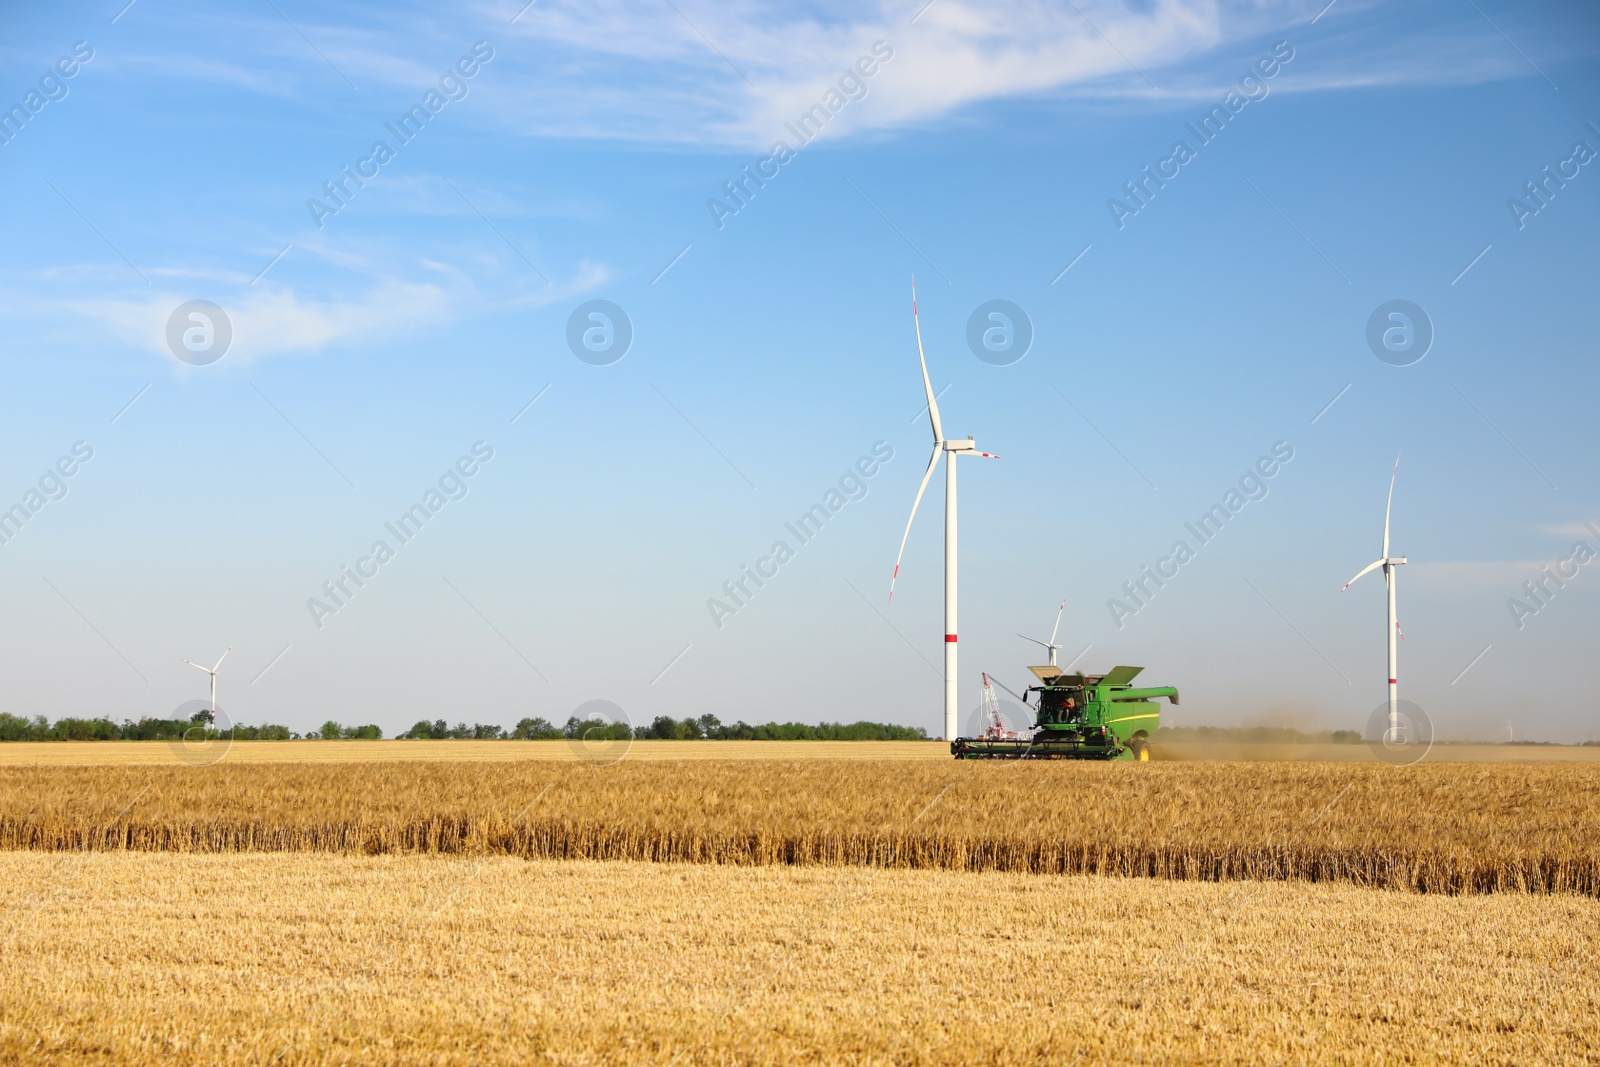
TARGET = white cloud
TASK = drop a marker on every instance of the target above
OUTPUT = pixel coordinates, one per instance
(1466, 575)
(1463, 575)
(278, 320)
(730, 73)
(733, 73)
(1586, 530)
(272, 320)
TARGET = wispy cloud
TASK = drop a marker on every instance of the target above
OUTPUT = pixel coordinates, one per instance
(1579, 529)
(1465, 575)
(271, 320)
(730, 74)
(279, 320)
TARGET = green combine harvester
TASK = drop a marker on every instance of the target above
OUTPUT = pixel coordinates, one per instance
(1079, 716)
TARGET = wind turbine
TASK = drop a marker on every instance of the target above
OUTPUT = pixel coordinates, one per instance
(951, 449)
(1389, 563)
(1049, 645)
(213, 672)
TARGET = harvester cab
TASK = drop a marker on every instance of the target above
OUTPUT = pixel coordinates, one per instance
(1081, 716)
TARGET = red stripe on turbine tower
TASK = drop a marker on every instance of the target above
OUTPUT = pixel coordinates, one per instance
(950, 637)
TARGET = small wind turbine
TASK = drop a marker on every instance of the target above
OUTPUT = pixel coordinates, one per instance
(213, 672)
(951, 450)
(1049, 645)
(1389, 563)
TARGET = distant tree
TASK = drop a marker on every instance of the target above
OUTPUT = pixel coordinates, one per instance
(596, 729)
(535, 730)
(331, 730)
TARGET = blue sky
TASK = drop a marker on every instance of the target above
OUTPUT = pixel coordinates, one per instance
(770, 353)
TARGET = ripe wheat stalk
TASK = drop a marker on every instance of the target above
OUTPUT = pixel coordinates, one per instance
(1437, 828)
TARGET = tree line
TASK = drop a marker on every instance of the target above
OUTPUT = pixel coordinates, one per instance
(666, 728)
(705, 727)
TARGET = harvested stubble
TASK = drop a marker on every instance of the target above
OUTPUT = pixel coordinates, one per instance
(294, 960)
(1430, 828)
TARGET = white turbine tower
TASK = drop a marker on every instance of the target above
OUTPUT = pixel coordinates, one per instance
(1049, 645)
(213, 672)
(951, 450)
(1389, 563)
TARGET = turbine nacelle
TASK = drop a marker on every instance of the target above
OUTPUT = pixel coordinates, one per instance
(1050, 645)
(212, 671)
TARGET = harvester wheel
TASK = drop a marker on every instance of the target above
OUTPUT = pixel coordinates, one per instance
(1141, 749)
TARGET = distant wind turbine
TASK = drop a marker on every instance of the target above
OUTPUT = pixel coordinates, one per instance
(1389, 563)
(950, 450)
(213, 672)
(1049, 645)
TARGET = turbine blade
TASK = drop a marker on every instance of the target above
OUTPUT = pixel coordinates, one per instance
(221, 658)
(1057, 626)
(197, 666)
(1035, 640)
(1368, 569)
(927, 386)
(923, 488)
(1390, 505)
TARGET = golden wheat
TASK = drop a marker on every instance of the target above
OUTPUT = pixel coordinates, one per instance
(303, 959)
(87, 753)
(90, 753)
(1452, 828)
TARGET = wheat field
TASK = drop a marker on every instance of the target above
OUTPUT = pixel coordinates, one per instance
(1446, 828)
(158, 753)
(146, 959)
(161, 753)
